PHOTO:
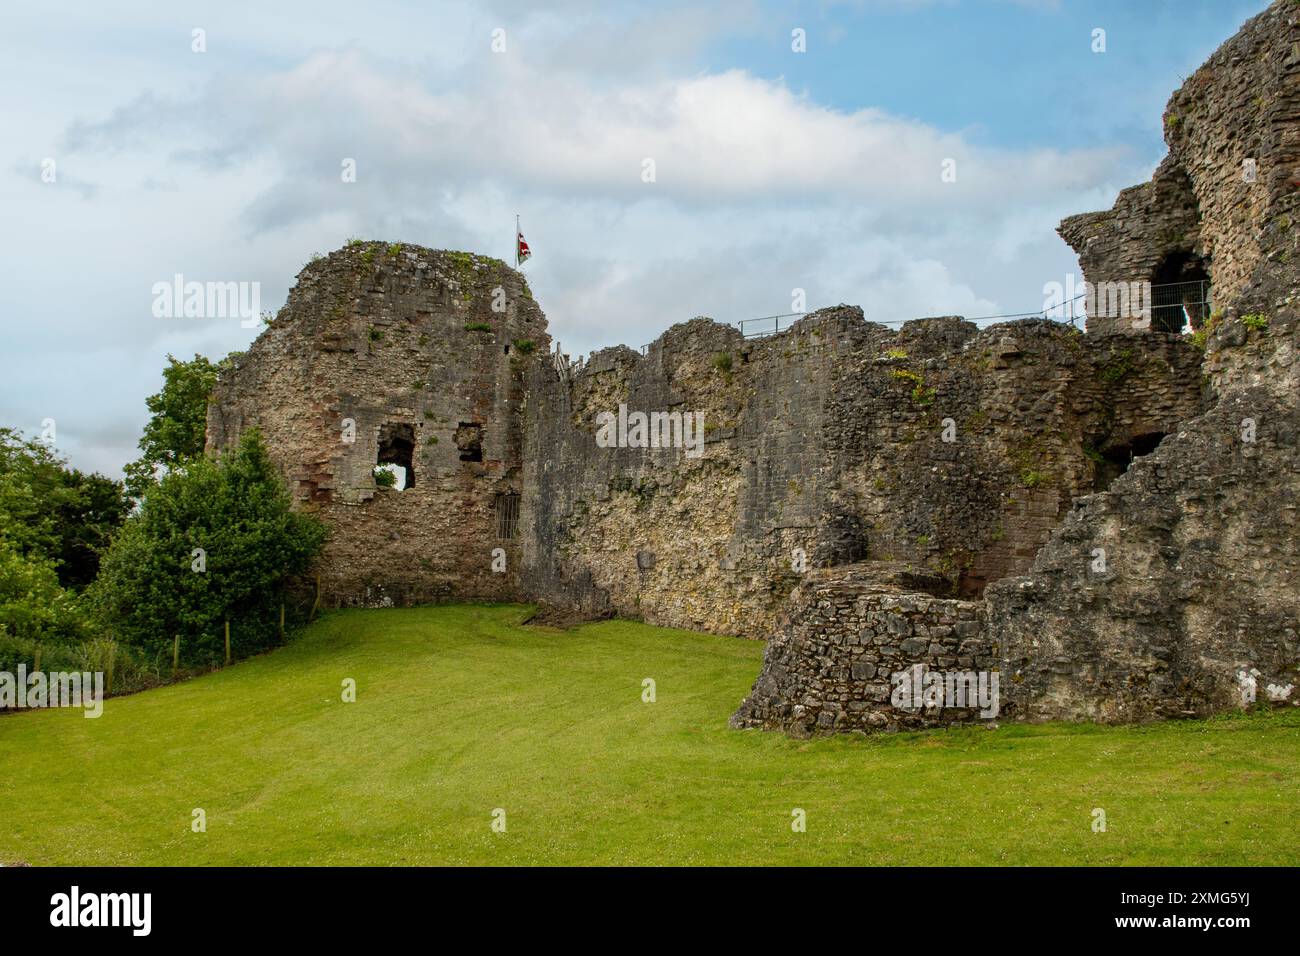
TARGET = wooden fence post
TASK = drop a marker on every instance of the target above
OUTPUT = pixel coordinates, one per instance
(281, 621)
(227, 642)
(176, 655)
(37, 663)
(315, 604)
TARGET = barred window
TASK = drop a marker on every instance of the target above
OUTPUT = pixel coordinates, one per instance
(507, 507)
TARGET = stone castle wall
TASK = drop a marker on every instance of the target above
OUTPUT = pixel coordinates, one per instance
(1086, 514)
(1171, 594)
(1156, 597)
(1173, 591)
(952, 448)
(1242, 105)
(392, 338)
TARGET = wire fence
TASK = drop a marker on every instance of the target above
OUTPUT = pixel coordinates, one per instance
(1178, 304)
(1172, 304)
(1068, 311)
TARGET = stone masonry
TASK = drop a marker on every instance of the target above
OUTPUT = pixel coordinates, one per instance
(1175, 589)
(1106, 520)
(953, 448)
(1225, 198)
(395, 353)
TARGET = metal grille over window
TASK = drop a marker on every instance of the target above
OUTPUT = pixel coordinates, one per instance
(507, 506)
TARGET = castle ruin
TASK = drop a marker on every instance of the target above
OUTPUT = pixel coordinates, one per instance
(1106, 519)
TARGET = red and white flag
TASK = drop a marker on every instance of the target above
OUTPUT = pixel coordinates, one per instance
(521, 248)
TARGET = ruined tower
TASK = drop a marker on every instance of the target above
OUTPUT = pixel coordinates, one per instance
(397, 355)
(1175, 590)
(1214, 228)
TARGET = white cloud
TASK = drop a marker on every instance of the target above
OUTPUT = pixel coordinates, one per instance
(759, 190)
(728, 137)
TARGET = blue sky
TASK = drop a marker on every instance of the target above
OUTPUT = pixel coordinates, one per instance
(1013, 74)
(775, 171)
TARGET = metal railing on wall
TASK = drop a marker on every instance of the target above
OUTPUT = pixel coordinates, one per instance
(1070, 312)
(1173, 305)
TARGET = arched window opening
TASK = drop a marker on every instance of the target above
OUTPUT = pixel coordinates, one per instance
(394, 465)
(1180, 292)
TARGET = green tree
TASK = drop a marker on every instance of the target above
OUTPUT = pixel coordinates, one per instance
(212, 541)
(87, 519)
(31, 494)
(177, 426)
(33, 607)
(54, 513)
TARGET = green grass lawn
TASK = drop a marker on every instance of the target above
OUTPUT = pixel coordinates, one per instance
(461, 711)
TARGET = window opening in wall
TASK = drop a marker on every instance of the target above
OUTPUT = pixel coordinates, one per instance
(1180, 293)
(469, 439)
(1117, 459)
(394, 466)
(507, 508)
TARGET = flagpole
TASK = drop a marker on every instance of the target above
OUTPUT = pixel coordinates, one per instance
(516, 241)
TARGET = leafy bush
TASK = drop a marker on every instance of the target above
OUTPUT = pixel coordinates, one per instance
(238, 512)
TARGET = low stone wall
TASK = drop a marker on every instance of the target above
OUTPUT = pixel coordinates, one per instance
(833, 663)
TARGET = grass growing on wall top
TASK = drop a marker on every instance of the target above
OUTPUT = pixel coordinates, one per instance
(461, 711)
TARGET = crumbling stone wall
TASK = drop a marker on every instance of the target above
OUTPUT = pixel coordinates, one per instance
(951, 448)
(1172, 594)
(1242, 105)
(948, 447)
(829, 665)
(380, 341)
(1174, 590)
(1169, 593)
